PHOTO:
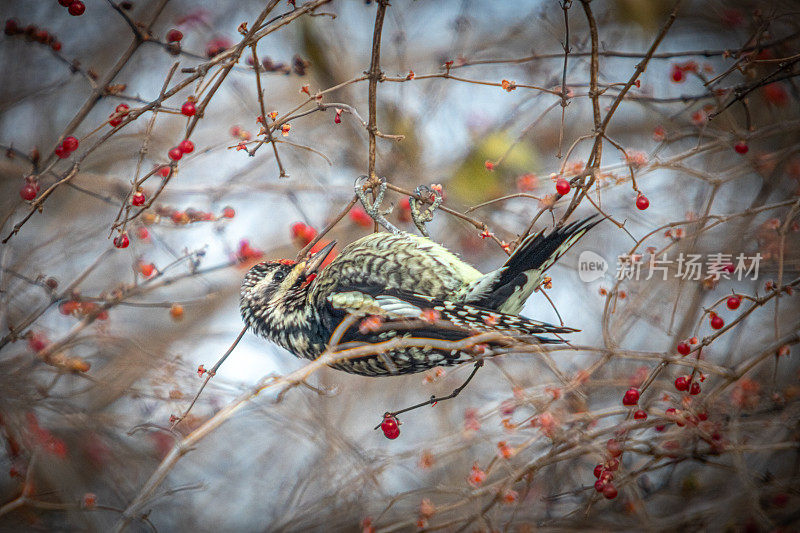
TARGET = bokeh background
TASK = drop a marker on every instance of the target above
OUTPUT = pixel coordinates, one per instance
(101, 345)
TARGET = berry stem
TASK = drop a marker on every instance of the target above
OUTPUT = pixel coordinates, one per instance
(434, 400)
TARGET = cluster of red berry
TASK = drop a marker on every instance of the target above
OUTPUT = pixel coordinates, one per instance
(67, 146)
(32, 33)
(187, 216)
(115, 118)
(77, 308)
(604, 472)
(74, 7)
(184, 147)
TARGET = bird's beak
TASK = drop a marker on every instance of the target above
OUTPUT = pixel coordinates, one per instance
(313, 264)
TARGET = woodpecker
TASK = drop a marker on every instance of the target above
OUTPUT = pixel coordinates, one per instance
(406, 286)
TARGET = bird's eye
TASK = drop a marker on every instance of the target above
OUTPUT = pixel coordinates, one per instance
(279, 275)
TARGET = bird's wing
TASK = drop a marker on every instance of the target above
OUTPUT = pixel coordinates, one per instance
(423, 316)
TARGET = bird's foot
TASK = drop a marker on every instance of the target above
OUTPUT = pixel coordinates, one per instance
(422, 216)
(373, 207)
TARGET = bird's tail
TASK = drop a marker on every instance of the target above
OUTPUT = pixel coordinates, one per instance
(507, 288)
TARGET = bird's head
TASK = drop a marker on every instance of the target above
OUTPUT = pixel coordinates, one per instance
(278, 287)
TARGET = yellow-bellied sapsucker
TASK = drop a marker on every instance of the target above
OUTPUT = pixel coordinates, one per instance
(400, 278)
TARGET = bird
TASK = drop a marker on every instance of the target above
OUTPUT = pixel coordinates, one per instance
(400, 285)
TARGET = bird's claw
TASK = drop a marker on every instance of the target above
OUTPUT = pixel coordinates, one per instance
(373, 207)
(422, 216)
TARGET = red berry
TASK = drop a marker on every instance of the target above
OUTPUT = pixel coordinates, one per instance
(642, 202)
(677, 74)
(61, 152)
(631, 397)
(597, 471)
(12, 26)
(734, 302)
(65, 3)
(717, 322)
(684, 348)
(175, 154)
(302, 233)
(476, 476)
(360, 217)
(562, 187)
(143, 233)
(56, 46)
(741, 147)
(70, 144)
(179, 217)
(68, 307)
(228, 212)
(694, 390)
(780, 499)
(776, 94)
(640, 415)
(37, 342)
(122, 109)
(614, 447)
(28, 191)
(163, 171)
(610, 491)
(121, 241)
(173, 36)
(176, 312)
(76, 8)
(114, 121)
(599, 485)
(186, 146)
(390, 427)
(89, 500)
(188, 109)
(147, 269)
(138, 198)
(682, 383)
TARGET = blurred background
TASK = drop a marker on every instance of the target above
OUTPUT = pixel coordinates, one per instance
(102, 343)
